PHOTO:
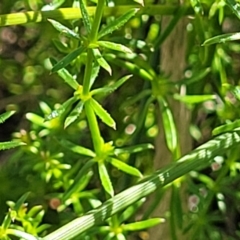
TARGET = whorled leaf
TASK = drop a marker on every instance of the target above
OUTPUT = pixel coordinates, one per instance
(63, 29)
(77, 149)
(136, 226)
(66, 76)
(194, 99)
(101, 61)
(105, 179)
(10, 144)
(61, 110)
(102, 113)
(5, 116)
(85, 16)
(124, 167)
(133, 149)
(114, 46)
(117, 23)
(68, 59)
(222, 38)
(74, 114)
(169, 126)
(111, 88)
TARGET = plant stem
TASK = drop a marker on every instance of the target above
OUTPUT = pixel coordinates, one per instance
(97, 20)
(94, 128)
(88, 72)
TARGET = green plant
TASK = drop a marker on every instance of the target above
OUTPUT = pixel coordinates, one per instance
(91, 163)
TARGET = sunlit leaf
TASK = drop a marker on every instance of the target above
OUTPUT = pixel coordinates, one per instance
(95, 72)
(233, 126)
(194, 99)
(169, 126)
(134, 149)
(68, 59)
(142, 224)
(74, 114)
(77, 149)
(105, 179)
(117, 23)
(222, 38)
(111, 88)
(114, 46)
(10, 144)
(5, 116)
(66, 76)
(62, 109)
(125, 167)
(63, 29)
(102, 113)
(101, 61)
(85, 16)
(34, 118)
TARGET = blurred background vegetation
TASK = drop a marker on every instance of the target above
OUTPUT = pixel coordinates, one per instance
(27, 86)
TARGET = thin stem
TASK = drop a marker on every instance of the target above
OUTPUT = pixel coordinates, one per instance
(97, 20)
(94, 128)
(88, 72)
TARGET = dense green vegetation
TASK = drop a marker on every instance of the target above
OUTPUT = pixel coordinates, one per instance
(118, 117)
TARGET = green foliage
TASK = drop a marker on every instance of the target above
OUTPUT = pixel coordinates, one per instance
(85, 153)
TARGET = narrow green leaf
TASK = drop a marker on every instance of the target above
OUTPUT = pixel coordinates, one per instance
(101, 61)
(136, 226)
(199, 158)
(95, 72)
(134, 149)
(85, 16)
(79, 179)
(114, 46)
(63, 29)
(194, 99)
(21, 201)
(68, 59)
(5, 116)
(105, 179)
(77, 149)
(34, 118)
(112, 87)
(131, 210)
(234, 6)
(168, 125)
(66, 76)
(227, 128)
(132, 67)
(125, 167)
(102, 113)
(117, 23)
(72, 117)
(197, 6)
(10, 144)
(222, 38)
(62, 109)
